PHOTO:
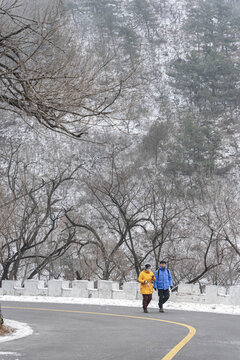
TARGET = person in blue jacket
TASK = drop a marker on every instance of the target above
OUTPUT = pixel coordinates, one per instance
(163, 281)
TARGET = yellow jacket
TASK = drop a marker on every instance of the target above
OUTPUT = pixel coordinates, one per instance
(146, 288)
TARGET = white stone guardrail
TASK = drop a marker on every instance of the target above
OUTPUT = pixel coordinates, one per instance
(110, 290)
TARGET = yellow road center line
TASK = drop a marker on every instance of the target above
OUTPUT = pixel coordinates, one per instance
(170, 354)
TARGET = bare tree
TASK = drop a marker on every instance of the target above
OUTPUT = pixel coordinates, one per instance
(50, 76)
(165, 218)
(33, 227)
(216, 218)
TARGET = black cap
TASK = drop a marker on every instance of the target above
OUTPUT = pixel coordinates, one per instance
(147, 266)
(162, 262)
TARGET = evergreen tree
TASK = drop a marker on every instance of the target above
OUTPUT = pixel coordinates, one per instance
(144, 15)
(213, 25)
(195, 150)
(156, 140)
(210, 82)
(113, 27)
(105, 14)
(209, 75)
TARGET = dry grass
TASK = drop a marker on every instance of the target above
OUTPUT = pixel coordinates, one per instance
(6, 330)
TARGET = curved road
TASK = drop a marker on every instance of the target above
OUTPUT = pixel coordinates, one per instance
(83, 332)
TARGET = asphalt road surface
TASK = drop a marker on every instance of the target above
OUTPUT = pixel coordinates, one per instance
(62, 332)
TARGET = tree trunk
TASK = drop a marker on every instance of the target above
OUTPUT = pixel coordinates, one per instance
(1, 318)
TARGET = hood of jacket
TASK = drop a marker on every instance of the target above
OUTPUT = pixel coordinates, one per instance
(164, 268)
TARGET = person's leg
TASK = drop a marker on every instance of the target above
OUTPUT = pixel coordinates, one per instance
(160, 296)
(145, 302)
(165, 296)
(149, 299)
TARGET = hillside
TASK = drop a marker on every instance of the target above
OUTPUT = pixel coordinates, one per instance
(120, 139)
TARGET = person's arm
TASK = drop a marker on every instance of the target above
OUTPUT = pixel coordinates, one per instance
(140, 278)
(170, 278)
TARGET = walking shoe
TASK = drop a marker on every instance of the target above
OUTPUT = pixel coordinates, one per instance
(145, 311)
(161, 310)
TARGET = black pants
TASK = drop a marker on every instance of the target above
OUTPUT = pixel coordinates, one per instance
(146, 300)
(163, 297)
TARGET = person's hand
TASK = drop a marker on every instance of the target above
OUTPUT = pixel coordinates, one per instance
(145, 282)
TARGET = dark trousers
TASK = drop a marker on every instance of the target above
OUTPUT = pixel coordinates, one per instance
(163, 297)
(146, 300)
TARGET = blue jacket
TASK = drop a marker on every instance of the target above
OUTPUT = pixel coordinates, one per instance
(164, 280)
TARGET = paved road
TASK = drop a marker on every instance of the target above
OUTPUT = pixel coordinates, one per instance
(63, 335)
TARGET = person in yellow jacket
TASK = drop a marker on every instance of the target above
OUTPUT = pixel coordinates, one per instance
(146, 279)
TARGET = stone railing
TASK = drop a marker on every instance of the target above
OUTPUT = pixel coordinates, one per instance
(110, 290)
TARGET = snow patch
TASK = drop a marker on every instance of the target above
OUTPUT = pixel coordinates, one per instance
(21, 330)
(9, 353)
(212, 308)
